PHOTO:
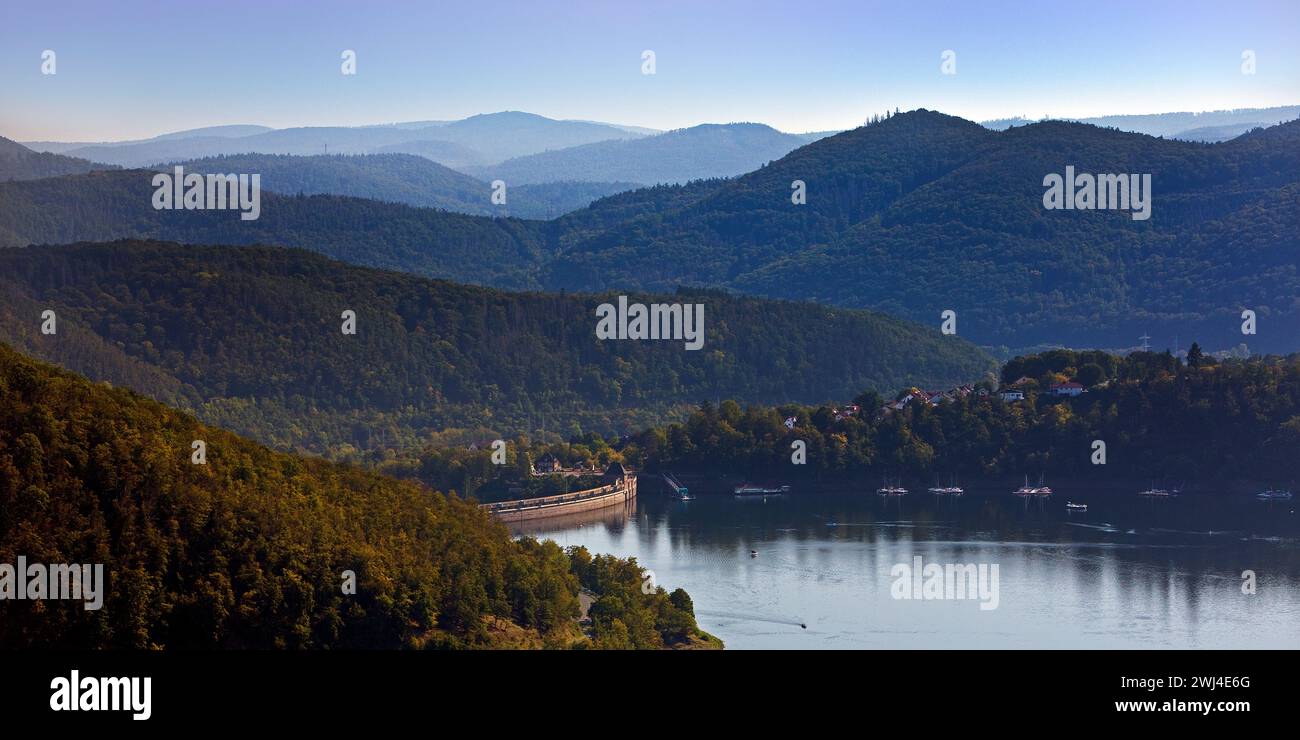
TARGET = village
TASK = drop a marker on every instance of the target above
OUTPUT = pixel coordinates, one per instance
(1010, 393)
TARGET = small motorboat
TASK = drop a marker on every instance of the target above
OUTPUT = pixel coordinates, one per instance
(1272, 495)
(1154, 492)
(1071, 506)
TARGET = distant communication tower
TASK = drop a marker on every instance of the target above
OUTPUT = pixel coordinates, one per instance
(1146, 344)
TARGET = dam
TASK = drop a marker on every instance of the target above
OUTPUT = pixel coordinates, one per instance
(618, 490)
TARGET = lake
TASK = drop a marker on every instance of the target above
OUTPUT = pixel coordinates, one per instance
(1128, 573)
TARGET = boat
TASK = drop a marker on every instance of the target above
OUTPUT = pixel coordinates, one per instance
(888, 490)
(749, 489)
(1039, 490)
(1273, 495)
(1071, 506)
(1154, 492)
(952, 490)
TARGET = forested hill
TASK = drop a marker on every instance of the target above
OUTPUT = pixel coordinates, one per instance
(924, 212)
(249, 548)
(913, 215)
(17, 162)
(251, 338)
(1219, 428)
(115, 205)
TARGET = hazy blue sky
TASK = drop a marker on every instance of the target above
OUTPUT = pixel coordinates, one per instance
(136, 69)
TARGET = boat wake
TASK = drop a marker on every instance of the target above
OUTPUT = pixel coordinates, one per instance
(1108, 528)
(750, 618)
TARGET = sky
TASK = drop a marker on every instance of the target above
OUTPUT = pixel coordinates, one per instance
(132, 69)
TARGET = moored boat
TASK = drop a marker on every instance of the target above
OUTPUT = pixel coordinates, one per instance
(1039, 490)
(891, 490)
(950, 490)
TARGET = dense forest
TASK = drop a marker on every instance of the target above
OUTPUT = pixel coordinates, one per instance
(249, 548)
(1214, 426)
(251, 339)
(501, 252)
(1205, 424)
(923, 212)
(912, 215)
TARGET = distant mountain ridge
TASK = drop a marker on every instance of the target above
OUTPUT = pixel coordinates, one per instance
(482, 138)
(17, 162)
(521, 148)
(1209, 126)
(227, 131)
(914, 215)
(403, 178)
(711, 150)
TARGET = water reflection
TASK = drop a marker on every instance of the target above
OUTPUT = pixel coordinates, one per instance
(1127, 573)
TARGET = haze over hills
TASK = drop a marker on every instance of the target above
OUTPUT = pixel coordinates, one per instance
(17, 162)
(228, 131)
(1208, 126)
(914, 215)
(482, 138)
(395, 178)
(404, 178)
(249, 338)
(446, 153)
(539, 149)
(711, 150)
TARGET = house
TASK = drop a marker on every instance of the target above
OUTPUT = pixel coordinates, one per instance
(1011, 396)
(615, 472)
(548, 463)
(845, 412)
(1066, 389)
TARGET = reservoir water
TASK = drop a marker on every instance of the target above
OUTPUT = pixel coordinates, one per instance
(825, 569)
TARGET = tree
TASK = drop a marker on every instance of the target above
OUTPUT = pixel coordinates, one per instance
(1194, 356)
(1091, 374)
